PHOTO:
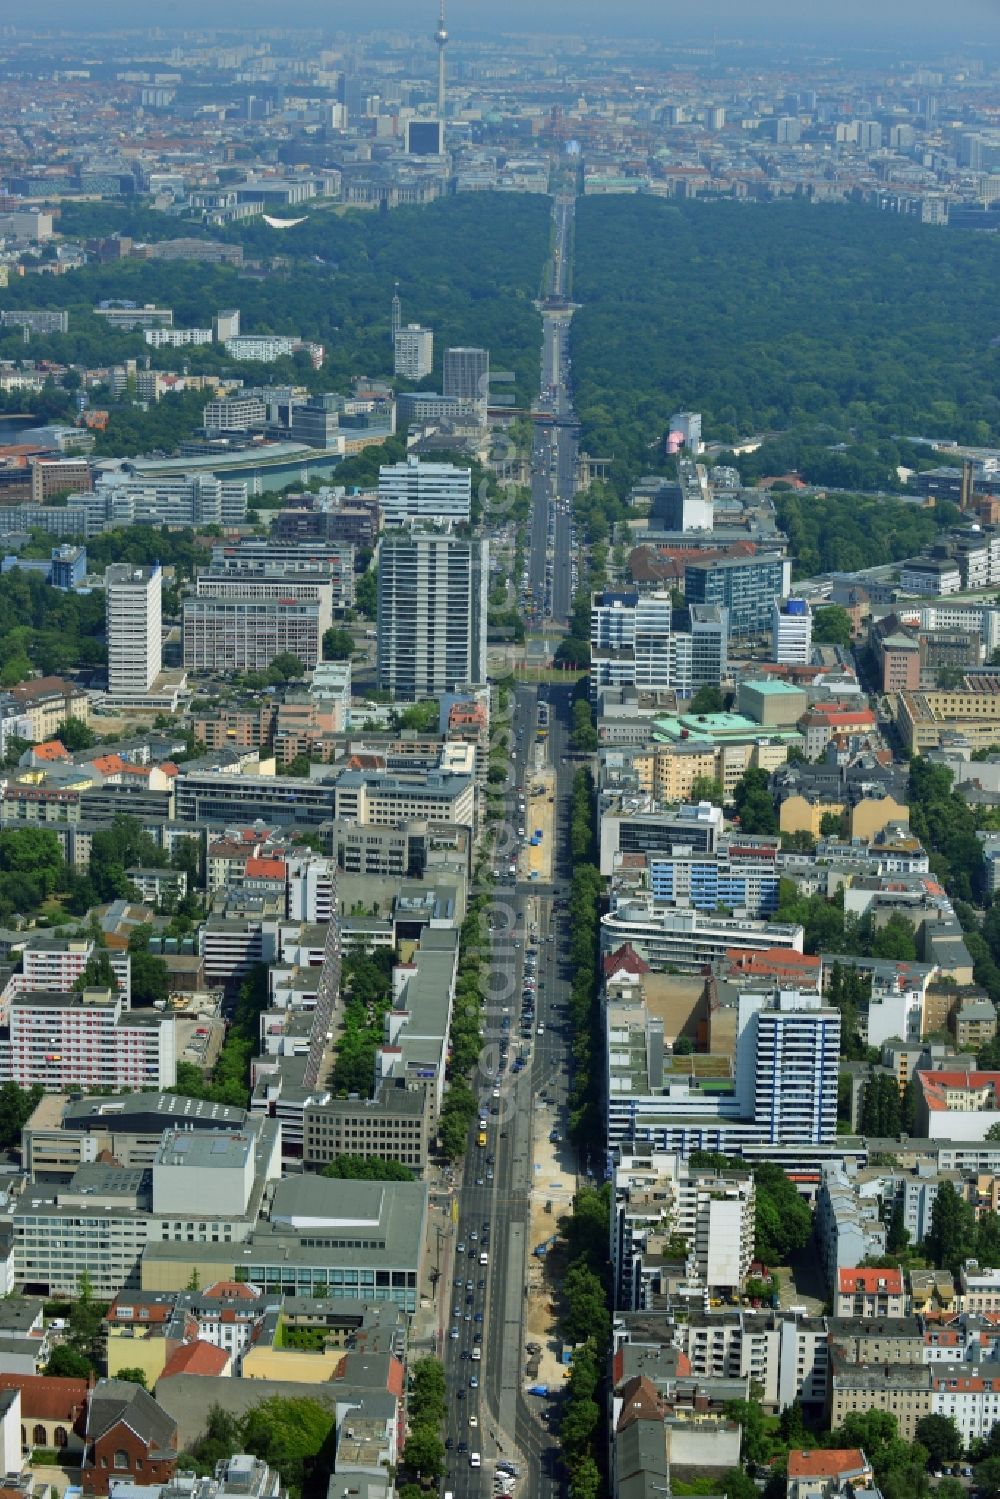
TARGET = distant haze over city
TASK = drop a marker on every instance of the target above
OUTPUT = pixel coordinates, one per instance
(850, 23)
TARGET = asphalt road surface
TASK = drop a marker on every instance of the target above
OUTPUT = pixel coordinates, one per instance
(488, 1301)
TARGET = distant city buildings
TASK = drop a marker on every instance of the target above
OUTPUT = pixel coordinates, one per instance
(241, 623)
(466, 375)
(641, 641)
(746, 587)
(791, 633)
(413, 352)
(417, 489)
(134, 628)
(432, 599)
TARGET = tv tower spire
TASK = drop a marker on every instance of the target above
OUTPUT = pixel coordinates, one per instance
(397, 314)
(441, 38)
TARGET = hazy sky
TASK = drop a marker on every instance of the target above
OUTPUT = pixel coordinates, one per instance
(949, 22)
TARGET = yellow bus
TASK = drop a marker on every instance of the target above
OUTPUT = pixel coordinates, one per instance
(482, 1137)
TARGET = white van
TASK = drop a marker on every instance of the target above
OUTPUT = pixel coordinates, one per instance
(477, 1354)
(475, 1461)
(484, 1258)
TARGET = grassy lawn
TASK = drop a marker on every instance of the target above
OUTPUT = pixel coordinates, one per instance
(548, 674)
(701, 1065)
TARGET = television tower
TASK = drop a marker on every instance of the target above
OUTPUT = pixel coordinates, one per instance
(441, 38)
(397, 315)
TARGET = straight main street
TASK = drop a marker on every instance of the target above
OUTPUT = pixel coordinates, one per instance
(494, 1417)
(554, 451)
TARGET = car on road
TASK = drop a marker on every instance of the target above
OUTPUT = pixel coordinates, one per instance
(478, 1317)
(474, 1382)
(463, 1447)
(454, 1335)
(473, 1421)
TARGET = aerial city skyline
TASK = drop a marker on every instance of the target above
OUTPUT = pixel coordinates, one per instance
(500, 752)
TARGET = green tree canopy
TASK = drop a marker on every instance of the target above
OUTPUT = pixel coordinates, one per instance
(782, 1220)
(832, 626)
(66, 1362)
(338, 645)
(952, 1229)
(754, 804)
(707, 700)
(294, 1436)
(372, 1168)
(941, 1437)
(16, 1107)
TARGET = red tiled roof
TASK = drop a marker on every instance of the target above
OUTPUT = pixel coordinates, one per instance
(839, 714)
(833, 1462)
(229, 1290)
(889, 1281)
(40, 687)
(108, 765)
(640, 1402)
(198, 1357)
(52, 749)
(156, 1312)
(266, 869)
(46, 1399)
(624, 959)
(772, 960)
(772, 479)
(396, 1382)
(935, 1085)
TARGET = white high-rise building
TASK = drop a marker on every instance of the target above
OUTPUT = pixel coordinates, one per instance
(133, 627)
(226, 324)
(658, 1198)
(787, 1057)
(432, 598)
(415, 489)
(652, 642)
(87, 1040)
(791, 633)
(631, 642)
(688, 425)
(413, 352)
